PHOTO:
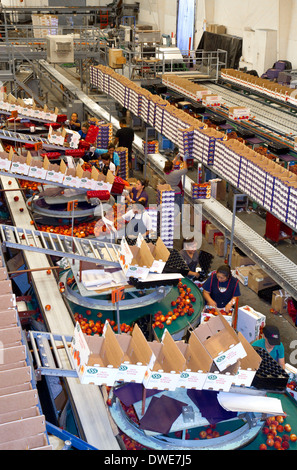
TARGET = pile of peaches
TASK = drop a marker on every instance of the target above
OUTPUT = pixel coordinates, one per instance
(277, 434)
(182, 306)
(91, 327)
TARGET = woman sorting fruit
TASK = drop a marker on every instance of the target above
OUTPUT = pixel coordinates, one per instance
(190, 254)
(221, 289)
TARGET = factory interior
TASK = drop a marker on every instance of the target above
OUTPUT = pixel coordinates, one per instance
(148, 227)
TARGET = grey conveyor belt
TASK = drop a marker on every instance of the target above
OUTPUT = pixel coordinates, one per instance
(271, 260)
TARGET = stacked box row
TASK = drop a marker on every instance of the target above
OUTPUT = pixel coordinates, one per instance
(166, 203)
(201, 190)
(124, 165)
(256, 178)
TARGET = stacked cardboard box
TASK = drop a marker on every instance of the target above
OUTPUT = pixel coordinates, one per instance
(262, 180)
(124, 166)
(104, 136)
(150, 147)
(201, 190)
(262, 85)
(279, 301)
(166, 202)
(259, 280)
(22, 425)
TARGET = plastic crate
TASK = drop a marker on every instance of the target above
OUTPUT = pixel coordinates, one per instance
(102, 195)
(270, 375)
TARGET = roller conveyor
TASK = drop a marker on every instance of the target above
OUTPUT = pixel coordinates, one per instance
(94, 251)
(87, 401)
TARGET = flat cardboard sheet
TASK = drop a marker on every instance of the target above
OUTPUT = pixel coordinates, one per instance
(210, 408)
(161, 414)
(250, 403)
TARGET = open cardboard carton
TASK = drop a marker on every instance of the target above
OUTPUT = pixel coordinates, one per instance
(104, 183)
(56, 137)
(220, 341)
(36, 167)
(138, 356)
(6, 159)
(71, 178)
(160, 254)
(169, 364)
(135, 260)
(248, 366)
(88, 179)
(55, 172)
(200, 372)
(20, 164)
(96, 358)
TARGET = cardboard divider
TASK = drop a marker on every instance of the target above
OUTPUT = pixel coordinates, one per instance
(169, 363)
(221, 341)
(25, 427)
(138, 356)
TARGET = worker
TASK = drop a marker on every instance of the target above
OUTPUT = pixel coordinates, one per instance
(105, 164)
(124, 138)
(174, 179)
(84, 130)
(74, 122)
(272, 344)
(190, 254)
(139, 221)
(221, 289)
(113, 155)
(138, 193)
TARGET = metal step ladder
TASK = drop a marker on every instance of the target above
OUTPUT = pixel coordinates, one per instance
(91, 250)
(45, 354)
(29, 139)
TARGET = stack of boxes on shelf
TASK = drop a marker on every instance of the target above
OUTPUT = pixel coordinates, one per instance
(186, 141)
(104, 135)
(260, 85)
(201, 190)
(23, 427)
(238, 164)
(165, 200)
(266, 182)
(205, 143)
(124, 166)
(151, 147)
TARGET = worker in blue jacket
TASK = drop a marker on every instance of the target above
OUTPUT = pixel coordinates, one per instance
(221, 289)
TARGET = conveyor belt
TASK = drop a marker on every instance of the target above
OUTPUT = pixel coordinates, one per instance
(94, 251)
(29, 139)
(274, 118)
(87, 401)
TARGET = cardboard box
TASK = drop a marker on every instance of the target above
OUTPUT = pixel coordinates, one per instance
(240, 260)
(138, 356)
(135, 260)
(160, 254)
(248, 365)
(96, 358)
(56, 137)
(220, 341)
(6, 160)
(55, 172)
(219, 245)
(279, 301)
(207, 314)
(8, 318)
(198, 364)
(259, 280)
(250, 323)
(169, 364)
(221, 381)
(10, 337)
(242, 274)
(20, 164)
(210, 230)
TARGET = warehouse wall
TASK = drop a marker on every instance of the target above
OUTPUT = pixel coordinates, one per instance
(161, 14)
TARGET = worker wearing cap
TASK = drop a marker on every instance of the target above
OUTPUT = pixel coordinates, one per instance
(272, 344)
